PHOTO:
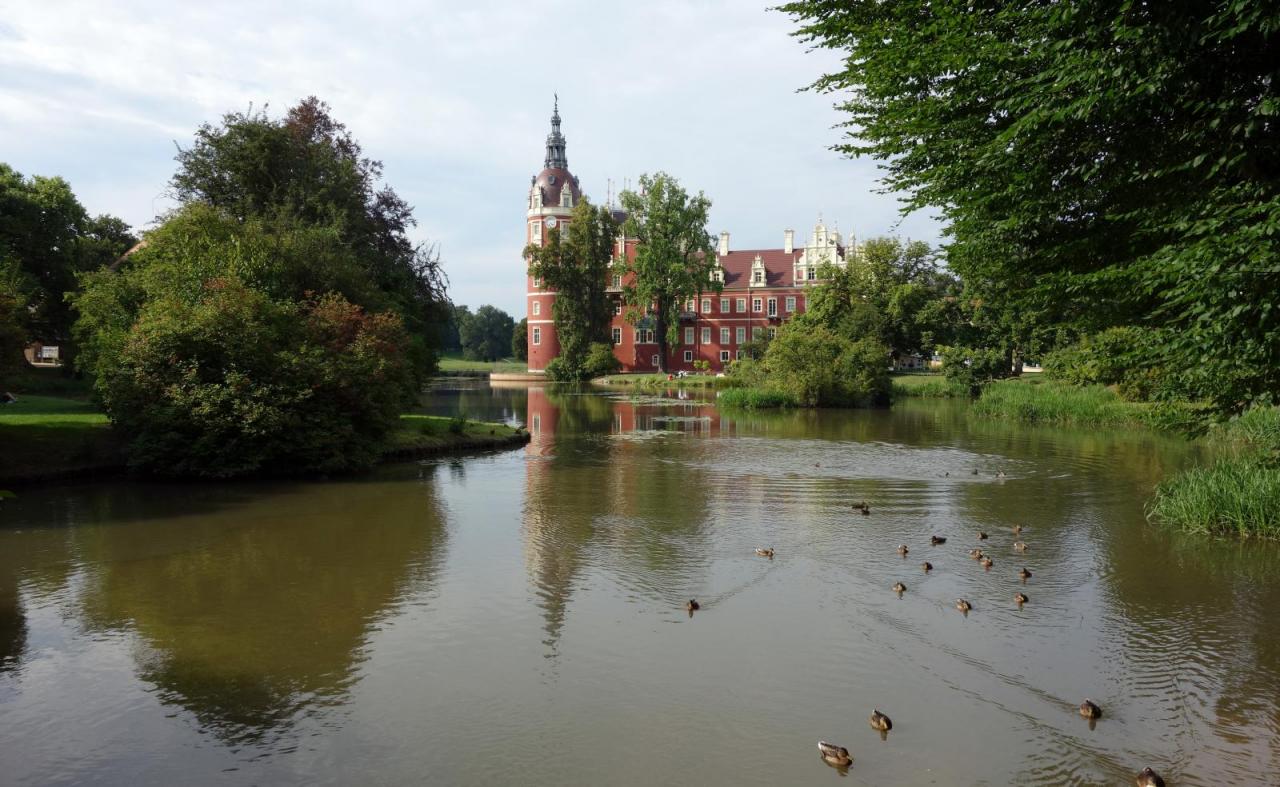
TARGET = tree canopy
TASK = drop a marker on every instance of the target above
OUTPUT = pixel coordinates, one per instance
(1096, 163)
(486, 335)
(675, 255)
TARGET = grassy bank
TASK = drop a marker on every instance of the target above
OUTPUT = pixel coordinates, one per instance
(1237, 495)
(46, 437)
(49, 436)
(932, 386)
(656, 381)
(754, 399)
(456, 364)
(425, 435)
(1044, 401)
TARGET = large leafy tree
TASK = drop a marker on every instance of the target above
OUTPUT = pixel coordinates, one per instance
(575, 262)
(486, 335)
(675, 255)
(1097, 163)
(47, 238)
(306, 170)
(520, 340)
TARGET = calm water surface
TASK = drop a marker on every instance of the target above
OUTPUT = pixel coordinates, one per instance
(516, 618)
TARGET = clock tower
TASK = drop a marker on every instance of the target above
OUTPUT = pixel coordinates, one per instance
(553, 193)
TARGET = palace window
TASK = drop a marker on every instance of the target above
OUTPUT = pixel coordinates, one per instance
(773, 307)
(617, 307)
(742, 305)
(566, 196)
(773, 333)
(688, 305)
(688, 336)
(757, 277)
(724, 335)
(535, 231)
(537, 308)
(791, 303)
(617, 282)
(756, 305)
(537, 335)
(644, 336)
(706, 336)
(706, 305)
(655, 360)
(755, 333)
(741, 335)
(617, 336)
(688, 356)
(813, 274)
(724, 305)
(724, 356)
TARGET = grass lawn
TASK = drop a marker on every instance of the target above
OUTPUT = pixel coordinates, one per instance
(456, 363)
(658, 380)
(44, 435)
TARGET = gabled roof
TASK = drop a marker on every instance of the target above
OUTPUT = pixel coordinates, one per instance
(778, 266)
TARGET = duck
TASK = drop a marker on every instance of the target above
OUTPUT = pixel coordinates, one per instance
(927, 566)
(1021, 598)
(879, 721)
(902, 550)
(899, 588)
(762, 552)
(1000, 474)
(835, 755)
(1017, 529)
(963, 606)
(935, 540)
(1149, 778)
(975, 471)
(692, 605)
(975, 553)
(1090, 710)
(1024, 574)
(982, 536)
(987, 562)
(1020, 546)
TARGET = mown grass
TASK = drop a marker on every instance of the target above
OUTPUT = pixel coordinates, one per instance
(931, 386)
(754, 399)
(657, 380)
(49, 435)
(1235, 496)
(456, 363)
(437, 433)
(1042, 401)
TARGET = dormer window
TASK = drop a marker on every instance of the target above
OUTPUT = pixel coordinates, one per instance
(757, 277)
(566, 197)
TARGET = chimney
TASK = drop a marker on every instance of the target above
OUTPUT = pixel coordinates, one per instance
(789, 244)
(724, 244)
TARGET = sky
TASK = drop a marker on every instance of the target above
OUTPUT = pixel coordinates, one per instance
(455, 99)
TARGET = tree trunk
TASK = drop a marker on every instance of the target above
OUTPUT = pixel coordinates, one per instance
(660, 331)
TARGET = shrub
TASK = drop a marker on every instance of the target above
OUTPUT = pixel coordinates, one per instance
(1116, 356)
(457, 425)
(817, 367)
(600, 360)
(745, 373)
(233, 383)
(972, 368)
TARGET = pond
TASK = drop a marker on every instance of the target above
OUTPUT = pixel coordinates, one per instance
(518, 617)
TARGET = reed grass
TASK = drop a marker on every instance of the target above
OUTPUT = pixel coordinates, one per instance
(1057, 403)
(928, 386)
(754, 398)
(1235, 496)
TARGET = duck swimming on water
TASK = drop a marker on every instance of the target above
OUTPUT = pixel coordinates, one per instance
(1090, 710)
(963, 606)
(835, 755)
(1149, 778)
(987, 562)
(1023, 574)
(935, 540)
(927, 566)
(692, 605)
(902, 550)
(879, 721)
(899, 588)
(1020, 546)
(762, 552)
(1021, 598)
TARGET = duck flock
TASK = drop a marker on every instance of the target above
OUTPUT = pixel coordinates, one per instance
(838, 756)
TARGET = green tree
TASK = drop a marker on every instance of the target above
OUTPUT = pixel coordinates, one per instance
(13, 332)
(675, 255)
(306, 170)
(47, 238)
(458, 316)
(821, 368)
(575, 262)
(486, 335)
(520, 340)
(1097, 163)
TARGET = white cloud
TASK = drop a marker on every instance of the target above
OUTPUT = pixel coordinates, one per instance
(454, 98)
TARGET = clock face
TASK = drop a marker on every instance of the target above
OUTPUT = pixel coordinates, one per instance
(551, 222)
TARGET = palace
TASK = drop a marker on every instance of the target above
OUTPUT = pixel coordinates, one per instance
(761, 288)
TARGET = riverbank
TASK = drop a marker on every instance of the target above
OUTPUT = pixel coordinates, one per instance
(655, 380)
(47, 438)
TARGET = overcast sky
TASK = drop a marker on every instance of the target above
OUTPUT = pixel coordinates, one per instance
(455, 99)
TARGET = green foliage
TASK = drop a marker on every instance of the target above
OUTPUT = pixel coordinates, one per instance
(457, 425)
(817, 367)
(520, 340)
(13, 334)
(486, 335)
(746, 372)
(1049, 402)
(1237, 496)
(1096, 163)
(304, 177)
(972, 368)
(929, 387)
(575, 263)
(601, 360)
(46, 239)
(754, 398)
(675, 255)
(598, 362)
(227, 382)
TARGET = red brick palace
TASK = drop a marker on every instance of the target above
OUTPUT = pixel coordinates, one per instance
(762, 288)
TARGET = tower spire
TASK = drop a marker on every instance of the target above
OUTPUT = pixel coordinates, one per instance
(555, 141)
